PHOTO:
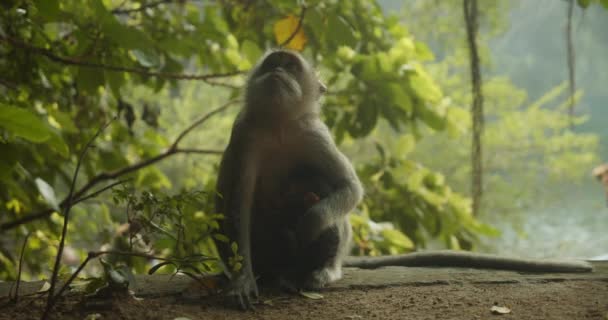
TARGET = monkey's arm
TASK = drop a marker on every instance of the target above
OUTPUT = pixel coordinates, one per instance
(448, 258)
(346, 190)
(235, 185)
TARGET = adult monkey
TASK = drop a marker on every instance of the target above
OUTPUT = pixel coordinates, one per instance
(278, 143)
(278, 132)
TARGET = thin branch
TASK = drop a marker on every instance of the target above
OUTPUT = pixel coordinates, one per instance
(96, 193)
(200, 121)
(470, 15)
(74, 275)
(94, 254)
(137, 70)
(79, 195)
(223, 84)
(571, 69)
(298, 27)
(199, 151)
(66, 219)
(15, 298)
(141, 8)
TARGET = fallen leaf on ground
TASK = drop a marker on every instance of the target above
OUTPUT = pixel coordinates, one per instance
(268, 302)
(500, 310)
(45, 287)
(311, 295)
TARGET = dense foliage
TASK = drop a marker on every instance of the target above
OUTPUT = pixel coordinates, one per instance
(69, 67)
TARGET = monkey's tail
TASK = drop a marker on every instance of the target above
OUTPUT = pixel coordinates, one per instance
(464, 259)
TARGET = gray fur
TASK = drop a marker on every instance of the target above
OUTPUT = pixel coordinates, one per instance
(448, 258)
(277, 132)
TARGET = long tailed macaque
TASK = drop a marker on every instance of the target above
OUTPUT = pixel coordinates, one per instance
(277, 134)
(286, 191)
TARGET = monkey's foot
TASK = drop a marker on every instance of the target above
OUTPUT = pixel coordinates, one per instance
(243, 290)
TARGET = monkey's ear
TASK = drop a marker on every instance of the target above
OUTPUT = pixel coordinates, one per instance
(322, 88)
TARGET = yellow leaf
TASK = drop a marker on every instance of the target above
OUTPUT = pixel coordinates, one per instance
(284, 28)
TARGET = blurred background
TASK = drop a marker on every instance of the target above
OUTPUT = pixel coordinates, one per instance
(398, 103)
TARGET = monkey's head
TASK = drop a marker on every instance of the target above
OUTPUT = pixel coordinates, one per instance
(283, 84)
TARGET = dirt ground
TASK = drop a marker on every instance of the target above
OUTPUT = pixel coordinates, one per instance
(397, 293)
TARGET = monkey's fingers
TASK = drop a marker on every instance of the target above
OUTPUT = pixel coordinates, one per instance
(244, 292)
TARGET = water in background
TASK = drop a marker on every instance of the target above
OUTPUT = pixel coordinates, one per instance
(576, 227)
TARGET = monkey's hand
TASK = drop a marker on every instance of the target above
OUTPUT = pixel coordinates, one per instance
(311, 225)
(243, 289)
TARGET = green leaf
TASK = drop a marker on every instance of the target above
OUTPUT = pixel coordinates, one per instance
(57, 143)
(220, 237)
(431, 117)
(584, 3)
(47, 9)
(89, 79)
(146, 58)
(115, 81)
(422, 84)
(396, 238)
(64, 121)
(340, 32)
(251, 51)
(48, 193)
(24, 123)
(423, 52)
(158, 266)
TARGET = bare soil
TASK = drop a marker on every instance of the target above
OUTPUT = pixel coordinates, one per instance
(393, 293)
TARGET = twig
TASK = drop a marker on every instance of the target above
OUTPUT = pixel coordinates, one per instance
(94, 254)
(298, 27)
(571, 70)
(110, 186)
(223, 84)
(199, 122)
(141, 71)
(141, 8)
(173, 149)
(15, 298)
(66, 219)
(471, 22)
(201, 151)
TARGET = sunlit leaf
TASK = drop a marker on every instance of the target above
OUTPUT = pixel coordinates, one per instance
(397, 238)
(46, 286)
(284, 28)
(311, 295)
(146, 58)
(48, 193)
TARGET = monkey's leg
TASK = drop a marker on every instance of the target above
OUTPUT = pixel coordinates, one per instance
(320, 263)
